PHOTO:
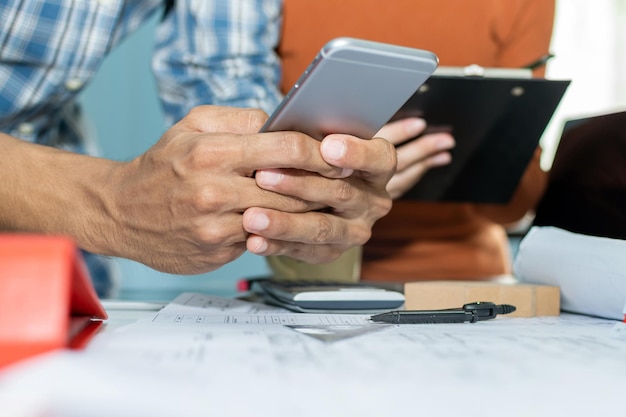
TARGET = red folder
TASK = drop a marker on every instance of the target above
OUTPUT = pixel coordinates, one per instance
(47, 300)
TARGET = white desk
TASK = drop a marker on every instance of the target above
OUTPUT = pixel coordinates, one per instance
(565, 366)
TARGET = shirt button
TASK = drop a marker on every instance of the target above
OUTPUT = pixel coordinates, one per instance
(73, 84)
(26, 128)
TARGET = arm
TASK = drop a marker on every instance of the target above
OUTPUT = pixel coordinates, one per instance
(189, 204)
(220, 53)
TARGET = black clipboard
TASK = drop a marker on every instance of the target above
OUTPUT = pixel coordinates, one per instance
(497, 122)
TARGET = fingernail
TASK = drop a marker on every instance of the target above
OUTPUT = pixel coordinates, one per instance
(417, 124)
(258, 222)
(346, 172)
(333, 149)
(268, 177)
(261, 246)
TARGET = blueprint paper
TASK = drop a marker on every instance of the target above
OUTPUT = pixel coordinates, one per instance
(590, 270)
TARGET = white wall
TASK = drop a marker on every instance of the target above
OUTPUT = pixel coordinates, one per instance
(589, 44)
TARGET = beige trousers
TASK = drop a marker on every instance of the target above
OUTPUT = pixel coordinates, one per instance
(347, 268)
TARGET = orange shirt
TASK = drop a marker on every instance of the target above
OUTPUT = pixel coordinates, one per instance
(433, 240)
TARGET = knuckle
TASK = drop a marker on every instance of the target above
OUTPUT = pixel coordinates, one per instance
(293, 146)
(345, 192)
(256, 118)
(381, 207)
(385, 147)
(205, 153)
(362, 235)
(386, 157)
(212, 199)
(202, 148)
(210, 236)
(198, 154)
(195, 116)
(293, 205)
(324, 230)
(392, 158)
(194, 112)
(204, 200)
(226, 255)
(378, 208)
(385, 205)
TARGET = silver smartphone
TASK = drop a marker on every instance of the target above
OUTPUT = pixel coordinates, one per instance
(353, 86)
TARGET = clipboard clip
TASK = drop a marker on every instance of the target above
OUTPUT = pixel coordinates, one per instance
(478, 71)
(474, 70)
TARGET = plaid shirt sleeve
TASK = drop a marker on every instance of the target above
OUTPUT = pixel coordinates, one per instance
(218, 52)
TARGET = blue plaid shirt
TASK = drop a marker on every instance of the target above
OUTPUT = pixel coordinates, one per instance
(207, 51)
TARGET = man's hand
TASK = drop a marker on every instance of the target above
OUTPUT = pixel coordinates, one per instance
(349, 205)
(213, 186)
(415, 157)
(179, 207)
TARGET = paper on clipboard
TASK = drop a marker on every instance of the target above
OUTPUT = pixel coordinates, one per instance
(497, 118)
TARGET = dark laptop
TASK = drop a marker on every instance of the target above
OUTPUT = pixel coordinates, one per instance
(586, 190)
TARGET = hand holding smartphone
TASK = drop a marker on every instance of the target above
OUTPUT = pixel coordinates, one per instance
(353, 86)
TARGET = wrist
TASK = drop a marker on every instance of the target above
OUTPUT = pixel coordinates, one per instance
(50, 191)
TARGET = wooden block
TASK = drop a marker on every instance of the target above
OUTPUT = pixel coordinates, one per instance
(530, 300)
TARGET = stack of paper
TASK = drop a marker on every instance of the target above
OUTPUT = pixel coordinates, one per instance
(205, 356)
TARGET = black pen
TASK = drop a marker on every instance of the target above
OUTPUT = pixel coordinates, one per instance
(472, 312)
